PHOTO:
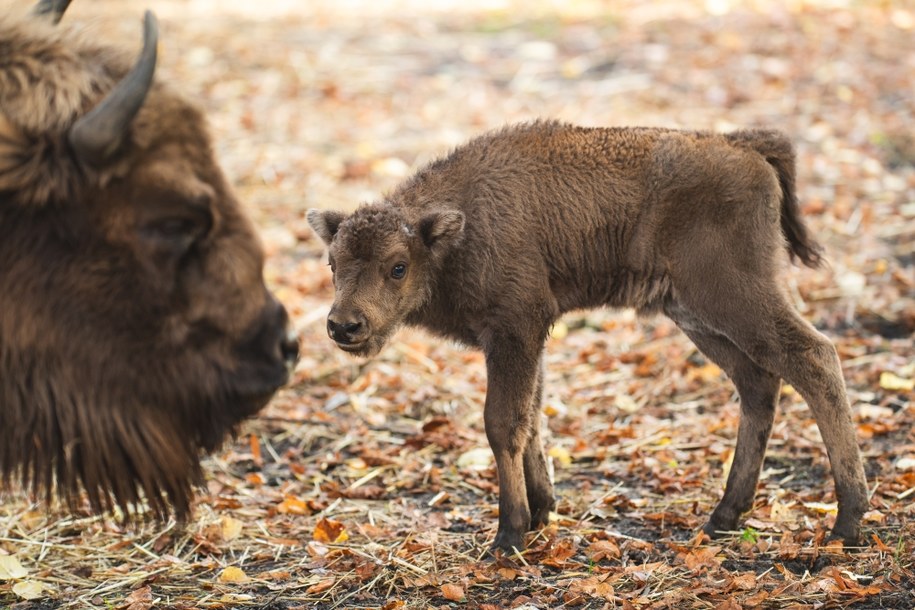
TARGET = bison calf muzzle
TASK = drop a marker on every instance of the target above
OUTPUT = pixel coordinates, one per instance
(136, 330)
(491, 244)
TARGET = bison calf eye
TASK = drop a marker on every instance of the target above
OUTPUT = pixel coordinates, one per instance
(398, 271)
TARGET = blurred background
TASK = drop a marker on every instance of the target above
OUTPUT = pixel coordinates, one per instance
(329, 104)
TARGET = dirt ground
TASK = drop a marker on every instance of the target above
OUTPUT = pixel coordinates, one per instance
(369, 484)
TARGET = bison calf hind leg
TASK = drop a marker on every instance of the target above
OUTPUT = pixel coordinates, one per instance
(758, 390)
(760, 323)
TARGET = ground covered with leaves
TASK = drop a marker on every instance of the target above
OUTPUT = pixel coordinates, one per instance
(369, 484)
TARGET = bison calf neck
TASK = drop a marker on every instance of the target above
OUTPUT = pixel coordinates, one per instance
(135, 327)
(490, 245)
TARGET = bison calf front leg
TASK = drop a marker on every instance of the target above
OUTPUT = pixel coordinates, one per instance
(510, 419)
(540, 498)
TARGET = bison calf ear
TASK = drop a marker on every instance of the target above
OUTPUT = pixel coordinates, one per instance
(442, 229)
(325, 223)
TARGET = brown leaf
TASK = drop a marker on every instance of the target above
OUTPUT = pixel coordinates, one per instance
(729, 604)
(744, 582)
(452, 592)
(595, 586)
(559, 553)
(602, 549)
(140, 599)
(702, 558)
(320, 586)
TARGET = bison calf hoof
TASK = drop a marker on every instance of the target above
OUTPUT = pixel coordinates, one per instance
(850, 536)
(717, 529)
(508, 543)
(540, 516)
(540, 519)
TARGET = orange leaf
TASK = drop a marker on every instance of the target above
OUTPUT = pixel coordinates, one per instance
(232, 574)
(320, 586)
(328, 530)
(453, 592)
(293, 506)
(255, 445)
(881, 546)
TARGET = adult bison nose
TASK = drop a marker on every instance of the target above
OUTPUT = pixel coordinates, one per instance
(345, 331)
(289, 348)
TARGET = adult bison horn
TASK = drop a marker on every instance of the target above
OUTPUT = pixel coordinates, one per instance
(55, 8)
(100, 133)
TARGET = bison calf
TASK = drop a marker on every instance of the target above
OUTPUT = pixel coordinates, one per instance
(135, 327)
(490, 245)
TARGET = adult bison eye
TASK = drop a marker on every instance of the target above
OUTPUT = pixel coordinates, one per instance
(174, 228)
(399, 271)
(178, 233)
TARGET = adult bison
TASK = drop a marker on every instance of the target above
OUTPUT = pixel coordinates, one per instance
(135, 327)
(490, 245)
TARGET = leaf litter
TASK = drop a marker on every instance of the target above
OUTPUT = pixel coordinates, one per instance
(369, 484)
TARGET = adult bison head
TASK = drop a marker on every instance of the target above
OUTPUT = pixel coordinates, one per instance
(135, 327)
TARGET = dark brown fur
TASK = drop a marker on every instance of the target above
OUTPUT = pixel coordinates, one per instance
(521, 225)
(135, 327)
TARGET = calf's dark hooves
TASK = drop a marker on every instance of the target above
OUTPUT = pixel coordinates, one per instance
(848, 537)
(507, 543)
(715, 529)
(540, 517)
(539, 520)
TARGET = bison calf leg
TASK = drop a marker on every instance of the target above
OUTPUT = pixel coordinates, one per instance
(758, 390)
(816, 373)
(510, 427)
(761, 323)
(540, 498)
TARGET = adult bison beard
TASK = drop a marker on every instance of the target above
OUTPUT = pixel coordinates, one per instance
(68, 433)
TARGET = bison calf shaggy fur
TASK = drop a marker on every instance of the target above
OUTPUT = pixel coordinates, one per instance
(135, 327)
(491, 244)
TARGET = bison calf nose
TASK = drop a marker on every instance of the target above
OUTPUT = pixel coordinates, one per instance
(344, 332)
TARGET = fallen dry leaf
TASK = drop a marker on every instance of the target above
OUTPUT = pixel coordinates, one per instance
(29, 589)
(139, 599)
(328, 530)
(10, 568)
(321, 586)
(231, 528)
(232, 575)
(452, 592)
(891, 381)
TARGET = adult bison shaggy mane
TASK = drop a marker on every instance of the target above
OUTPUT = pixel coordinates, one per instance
(136, 331)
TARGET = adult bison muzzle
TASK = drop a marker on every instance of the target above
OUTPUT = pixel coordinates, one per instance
(490, 245)
(135, 328)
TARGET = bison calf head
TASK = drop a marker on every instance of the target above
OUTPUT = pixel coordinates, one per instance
(384, 267)
(135, 327)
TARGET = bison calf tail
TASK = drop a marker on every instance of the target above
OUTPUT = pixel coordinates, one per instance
(779, 153)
